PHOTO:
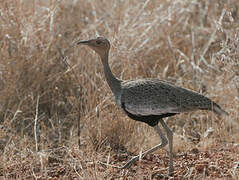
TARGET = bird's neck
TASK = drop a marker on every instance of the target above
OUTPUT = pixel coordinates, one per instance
(112, 81)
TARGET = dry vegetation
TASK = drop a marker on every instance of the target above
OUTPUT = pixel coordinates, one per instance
(48, 85)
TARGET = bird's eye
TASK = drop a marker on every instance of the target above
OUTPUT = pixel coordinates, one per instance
(98, 42)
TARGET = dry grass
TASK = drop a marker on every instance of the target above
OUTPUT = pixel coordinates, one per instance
(44, 94)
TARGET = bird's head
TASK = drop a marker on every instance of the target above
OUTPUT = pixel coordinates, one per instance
(100, 45)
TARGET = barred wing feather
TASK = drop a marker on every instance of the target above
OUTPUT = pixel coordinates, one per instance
(157, 97)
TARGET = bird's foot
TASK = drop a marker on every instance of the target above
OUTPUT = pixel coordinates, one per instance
(130, 162)
(126, 165)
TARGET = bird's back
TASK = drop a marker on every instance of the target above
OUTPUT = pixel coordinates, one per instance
(156, 97)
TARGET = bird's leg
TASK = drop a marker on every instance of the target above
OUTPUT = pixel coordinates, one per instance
(170, 139)
(135, 158)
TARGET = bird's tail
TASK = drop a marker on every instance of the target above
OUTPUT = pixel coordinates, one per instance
(218, 110)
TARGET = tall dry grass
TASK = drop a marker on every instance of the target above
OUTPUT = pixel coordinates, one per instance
(48, 85)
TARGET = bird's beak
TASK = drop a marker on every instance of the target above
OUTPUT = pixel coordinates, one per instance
(83, 42)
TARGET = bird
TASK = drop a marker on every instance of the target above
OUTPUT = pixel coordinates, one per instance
(150, 100)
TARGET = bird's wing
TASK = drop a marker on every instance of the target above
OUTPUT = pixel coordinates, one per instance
(156, 97)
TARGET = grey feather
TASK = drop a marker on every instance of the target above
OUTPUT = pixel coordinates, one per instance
(156, 97)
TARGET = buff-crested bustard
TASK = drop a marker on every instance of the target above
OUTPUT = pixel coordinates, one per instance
(150, 100)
